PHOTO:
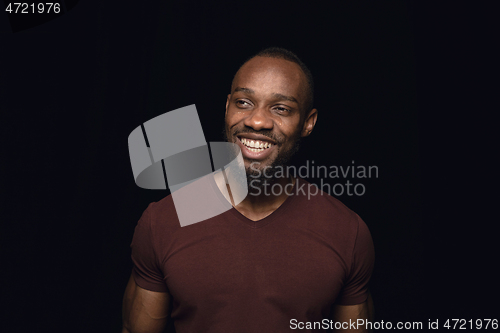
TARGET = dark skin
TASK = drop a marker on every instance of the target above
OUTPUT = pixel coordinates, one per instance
(267, 96)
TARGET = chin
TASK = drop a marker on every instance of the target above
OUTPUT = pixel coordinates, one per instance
(258, 165)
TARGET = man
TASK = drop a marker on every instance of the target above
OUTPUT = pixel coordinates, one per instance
(273, 263)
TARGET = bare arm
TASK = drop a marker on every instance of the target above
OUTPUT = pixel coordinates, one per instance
(144, 311)
(344, 313)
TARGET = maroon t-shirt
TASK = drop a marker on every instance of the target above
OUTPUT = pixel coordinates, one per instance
(232, 274)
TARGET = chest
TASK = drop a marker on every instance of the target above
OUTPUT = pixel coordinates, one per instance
(254, 266)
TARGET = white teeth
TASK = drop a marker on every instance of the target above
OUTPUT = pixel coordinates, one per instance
(256, 145)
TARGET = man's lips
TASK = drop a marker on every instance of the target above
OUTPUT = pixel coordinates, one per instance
(259, 137)
(255, 147)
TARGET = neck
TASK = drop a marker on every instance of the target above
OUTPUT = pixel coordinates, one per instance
(263, 201)
(260, 201)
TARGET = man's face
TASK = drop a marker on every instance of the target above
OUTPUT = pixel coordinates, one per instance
(265, 112)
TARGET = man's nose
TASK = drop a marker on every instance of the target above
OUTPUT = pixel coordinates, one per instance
(259, 119)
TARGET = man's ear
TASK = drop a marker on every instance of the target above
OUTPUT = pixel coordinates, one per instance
(309, 122)
(227, 102)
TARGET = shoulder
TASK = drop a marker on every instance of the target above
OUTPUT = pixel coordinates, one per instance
(162, 216)
(321, 203)
(328, 215)
(162, 207)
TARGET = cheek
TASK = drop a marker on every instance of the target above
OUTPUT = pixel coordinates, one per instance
(291, 129)
(233, 118)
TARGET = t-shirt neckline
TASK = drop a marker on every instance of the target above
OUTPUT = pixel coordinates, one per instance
(264, 221)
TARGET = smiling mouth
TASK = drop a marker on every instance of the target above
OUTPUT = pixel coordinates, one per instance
(255, 146)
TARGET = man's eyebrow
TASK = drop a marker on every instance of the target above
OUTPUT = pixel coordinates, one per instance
(247, 90)
(286, 98)
(275, 95)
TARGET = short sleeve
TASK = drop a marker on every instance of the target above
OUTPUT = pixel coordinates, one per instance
(355, 290)
(146, 271)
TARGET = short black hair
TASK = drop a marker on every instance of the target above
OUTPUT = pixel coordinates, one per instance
(282, 53)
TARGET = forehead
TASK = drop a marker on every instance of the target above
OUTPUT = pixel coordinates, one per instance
(270, 75)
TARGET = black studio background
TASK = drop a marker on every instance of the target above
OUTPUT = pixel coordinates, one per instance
(405, 86)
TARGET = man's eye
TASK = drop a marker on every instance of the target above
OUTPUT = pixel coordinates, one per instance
(282, 109)
(242, 103)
